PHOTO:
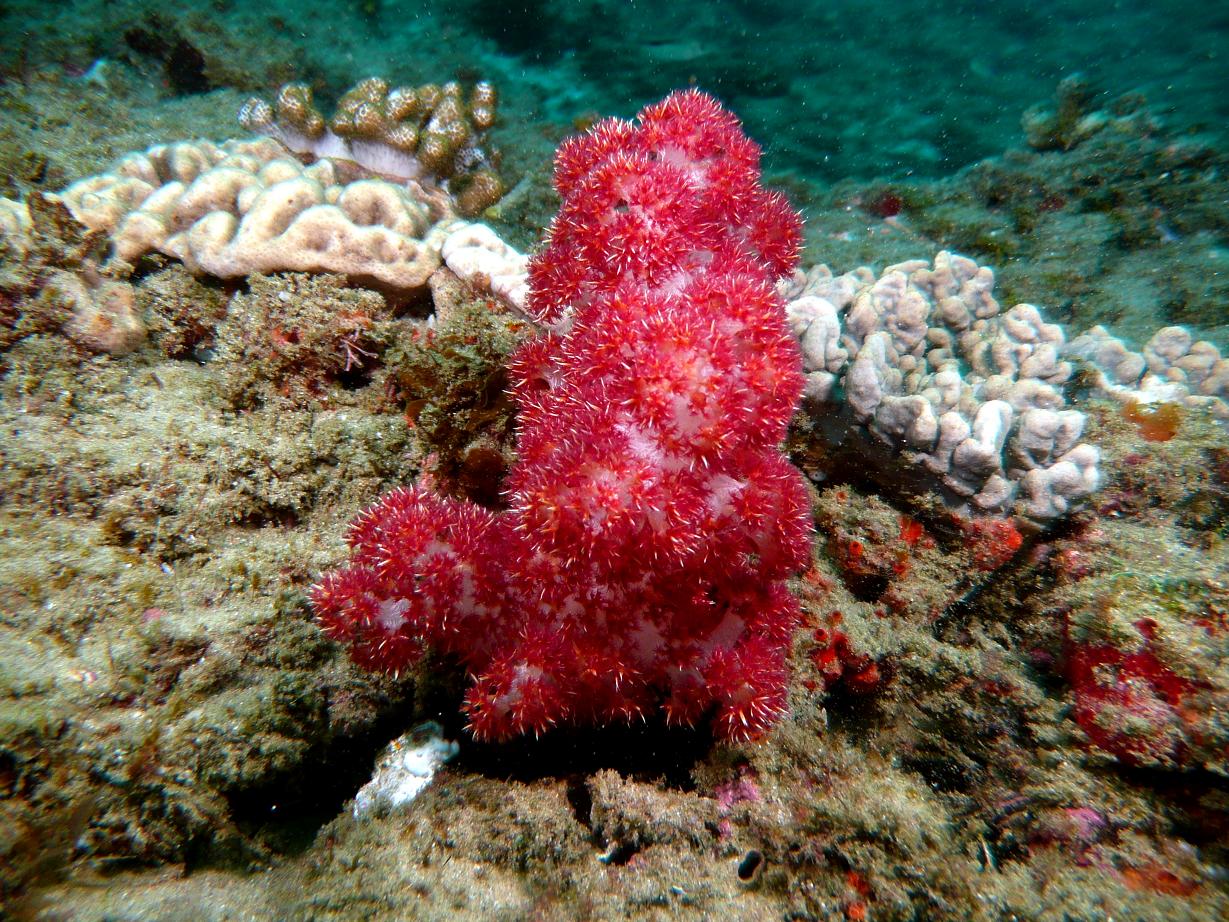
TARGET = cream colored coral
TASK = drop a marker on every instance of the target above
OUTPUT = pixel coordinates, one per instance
(103, 312)
(102, 202)
(476, 254)
(923, 360)
(246, 207)
(14, 227)
(1173, 366)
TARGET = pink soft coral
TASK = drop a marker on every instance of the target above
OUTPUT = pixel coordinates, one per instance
(651, 518)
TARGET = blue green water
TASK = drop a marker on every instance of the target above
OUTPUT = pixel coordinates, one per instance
(832, 89)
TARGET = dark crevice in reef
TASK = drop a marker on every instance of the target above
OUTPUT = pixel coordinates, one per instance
(943, 774)
(580, 799)
(857, 715)
(1201, 820)
(645, 751)
(621, 854)
(285, 812)
(866, 587)
(182, 64)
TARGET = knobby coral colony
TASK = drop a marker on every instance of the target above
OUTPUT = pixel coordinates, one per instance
(652, 519)
(421, 133)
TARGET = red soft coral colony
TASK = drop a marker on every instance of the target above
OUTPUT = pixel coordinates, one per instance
(651, 519)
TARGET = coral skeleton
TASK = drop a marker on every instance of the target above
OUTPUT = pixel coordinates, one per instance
(651, 518)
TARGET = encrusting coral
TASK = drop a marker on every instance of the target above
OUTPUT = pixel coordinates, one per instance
(103, 312)
(14, 229)
(52, 280)
(421, 133)
(642, 561)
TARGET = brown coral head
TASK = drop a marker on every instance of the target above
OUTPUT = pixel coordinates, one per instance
(482, 105)
(403, 136)
(256, 115)
(373, 89)
(449, 119)
(294, 108)
(404, 103)
(481, 190)
(436, 153)
(404, 132)
(369, 120)
(430, 94)
(362, 111)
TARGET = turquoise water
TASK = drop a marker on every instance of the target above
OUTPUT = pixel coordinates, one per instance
(833, 90)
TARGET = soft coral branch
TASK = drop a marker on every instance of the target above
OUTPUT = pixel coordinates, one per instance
(651, 517)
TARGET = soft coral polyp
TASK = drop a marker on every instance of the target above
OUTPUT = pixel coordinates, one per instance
(651, 518)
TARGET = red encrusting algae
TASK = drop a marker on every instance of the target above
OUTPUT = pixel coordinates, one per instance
(1130, 703)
